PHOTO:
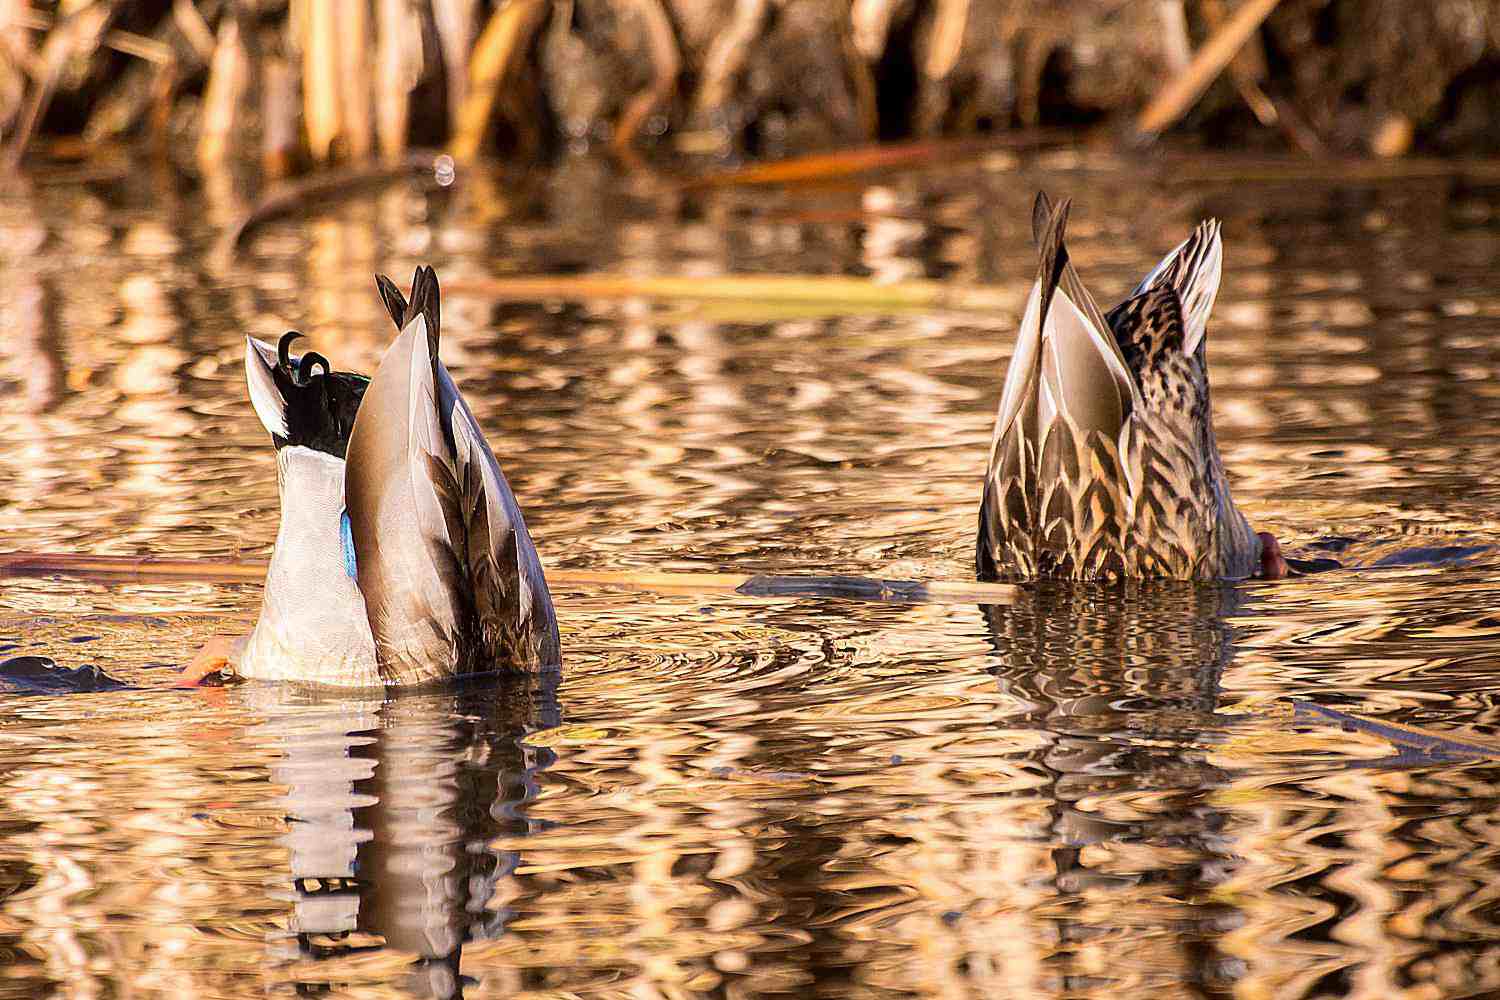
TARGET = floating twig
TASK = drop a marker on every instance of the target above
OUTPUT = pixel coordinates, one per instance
(849, 162)
(780, 288)
(750, 585)
(289, 197)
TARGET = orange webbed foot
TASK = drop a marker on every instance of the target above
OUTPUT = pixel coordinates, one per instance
(213, 657)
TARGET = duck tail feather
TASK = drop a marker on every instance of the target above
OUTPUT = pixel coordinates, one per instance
(395, 302)
(424, 302)
(1041, 215)
(265, 395)
(1193, 269)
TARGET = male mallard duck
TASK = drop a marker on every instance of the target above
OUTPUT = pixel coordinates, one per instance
(402, 556)
(1104, 464)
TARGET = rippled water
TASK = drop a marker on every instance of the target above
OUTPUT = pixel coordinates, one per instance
(1081, 794)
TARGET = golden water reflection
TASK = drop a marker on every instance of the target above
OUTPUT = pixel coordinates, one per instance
(1083, 794)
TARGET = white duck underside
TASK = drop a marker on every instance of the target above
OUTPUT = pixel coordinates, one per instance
(312, 624)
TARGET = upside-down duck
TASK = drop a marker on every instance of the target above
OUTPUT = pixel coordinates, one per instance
(402, 557)
(1103, 464)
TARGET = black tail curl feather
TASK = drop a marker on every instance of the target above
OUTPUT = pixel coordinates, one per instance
(319, 408)
(284, 349)
(305, 366)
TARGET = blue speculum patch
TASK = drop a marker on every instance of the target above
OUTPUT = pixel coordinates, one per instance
(346, 537)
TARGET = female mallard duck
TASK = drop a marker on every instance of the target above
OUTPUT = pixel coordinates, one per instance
(402, 557)
(1104, 464)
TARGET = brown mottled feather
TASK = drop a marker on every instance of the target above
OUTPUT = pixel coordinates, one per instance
(1110, 491)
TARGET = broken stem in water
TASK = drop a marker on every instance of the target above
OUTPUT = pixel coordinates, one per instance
(753, 585)
(779, 288)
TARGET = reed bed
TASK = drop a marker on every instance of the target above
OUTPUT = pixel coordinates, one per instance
(300, 84)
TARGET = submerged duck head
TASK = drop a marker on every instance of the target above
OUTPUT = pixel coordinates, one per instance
(1104, 464)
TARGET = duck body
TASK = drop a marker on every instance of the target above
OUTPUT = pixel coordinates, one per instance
(1104, 464)
(401, 557)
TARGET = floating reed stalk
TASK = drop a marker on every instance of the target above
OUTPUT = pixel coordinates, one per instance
(757, 585)
(935, 295)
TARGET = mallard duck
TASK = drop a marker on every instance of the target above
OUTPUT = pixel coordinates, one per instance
(401, 557)
(1103, 464)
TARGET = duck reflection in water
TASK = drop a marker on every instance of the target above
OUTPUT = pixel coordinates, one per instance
(1160, 850)
(1125, 682)
(392, 804)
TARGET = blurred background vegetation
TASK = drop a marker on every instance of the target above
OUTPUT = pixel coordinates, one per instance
(293, 84)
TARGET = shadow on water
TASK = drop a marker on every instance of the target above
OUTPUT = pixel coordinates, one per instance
(391, 805)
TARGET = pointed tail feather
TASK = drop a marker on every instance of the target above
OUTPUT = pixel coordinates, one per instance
(1193, 269)
(1068, 392)
(395, 302)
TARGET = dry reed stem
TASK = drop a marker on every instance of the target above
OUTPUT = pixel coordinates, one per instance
(321, 106)
(399, 65)
(79, 33)
(125, 42)
(279, 138)
(505, 40)
(455, 30)
(15, 59)
(870, 26)
(947, 39)
(195, 30)
(759, 584)
(727, 54)
(1247, 69)
(666, 63)
(223, 97)
(1184, 89)
(355, 95)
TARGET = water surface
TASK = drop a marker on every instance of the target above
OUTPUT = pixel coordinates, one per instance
(1083, 794)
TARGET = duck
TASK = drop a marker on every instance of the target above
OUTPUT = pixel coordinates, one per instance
(401, 558)
(1103, 463)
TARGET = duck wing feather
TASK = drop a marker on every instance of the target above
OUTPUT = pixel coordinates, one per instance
(1057, 496)
(450, 576)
